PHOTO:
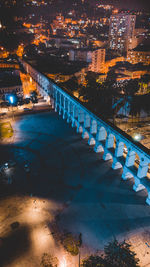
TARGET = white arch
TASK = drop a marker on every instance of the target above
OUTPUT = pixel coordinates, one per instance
(119, 149)
(110, 140)
(87, 121)
(101, 134)
(93, 129)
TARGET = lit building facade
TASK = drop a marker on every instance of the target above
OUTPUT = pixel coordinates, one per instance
(121, 31)
(135, 56)
(98, 60)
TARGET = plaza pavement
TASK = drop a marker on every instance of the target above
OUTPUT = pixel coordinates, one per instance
(66, 175)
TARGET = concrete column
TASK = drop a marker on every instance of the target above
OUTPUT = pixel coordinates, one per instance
(85, 134)
(137, 185)
(65, 108)
(69, 111)
(80, 116)
(56, 101)
(79, 128)
(52, 102)
(101, 133)
(87, 121)
(116, 164)
(126, 173)
(109, 141)
(130, 159)
(142, 169)
(93, 128)
(148, 198)
(75, 112)
(60, 104)
(98, 147)
(119, 149)
(107, 155)
(91, 141)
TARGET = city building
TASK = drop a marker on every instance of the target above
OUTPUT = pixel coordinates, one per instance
(8, 63)
(82, 54)
(121, 31)
(10, 83)
(111, 62)
(96, 58)
(140, 54)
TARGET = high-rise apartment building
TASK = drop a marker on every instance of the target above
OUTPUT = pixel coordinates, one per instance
(121, 31)
(98, 60)
(95, 58)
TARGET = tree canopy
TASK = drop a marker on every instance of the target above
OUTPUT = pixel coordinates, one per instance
(119, 254)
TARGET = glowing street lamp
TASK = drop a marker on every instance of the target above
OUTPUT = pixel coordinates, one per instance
(11, 99)
(63, 263)
(137, 137)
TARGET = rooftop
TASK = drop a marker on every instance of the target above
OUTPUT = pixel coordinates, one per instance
(53, 66)
(142, 48)
(9, 79)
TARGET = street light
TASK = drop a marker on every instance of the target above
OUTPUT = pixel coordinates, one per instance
(63, 263)
(137, 137)
(11, 101)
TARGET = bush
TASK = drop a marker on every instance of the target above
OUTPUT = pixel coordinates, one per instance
(49, 261)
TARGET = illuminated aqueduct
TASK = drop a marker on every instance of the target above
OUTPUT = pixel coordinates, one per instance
(115, 145)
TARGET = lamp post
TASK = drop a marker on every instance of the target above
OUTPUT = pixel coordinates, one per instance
(11, 100)
(80, 244)
(79, 257)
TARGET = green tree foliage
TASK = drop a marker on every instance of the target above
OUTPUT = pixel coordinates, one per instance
(71, 243)
(115, 255)
(139, 103)
(99, 96)
(49, 261)
(131, 87)
(119, 254)
(93, 261)
(71, 84)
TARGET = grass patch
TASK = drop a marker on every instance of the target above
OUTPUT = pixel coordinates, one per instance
(6, 130)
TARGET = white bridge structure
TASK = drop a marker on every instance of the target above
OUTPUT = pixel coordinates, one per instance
(105, 138)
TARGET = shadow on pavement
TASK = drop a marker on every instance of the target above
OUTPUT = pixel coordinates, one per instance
(14, 245)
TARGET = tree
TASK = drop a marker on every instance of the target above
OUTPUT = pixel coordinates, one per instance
(71, 84)
(71, 243)
(119, 255)
(144, 83)
(49, 261)
(131, 87)
(93, 261)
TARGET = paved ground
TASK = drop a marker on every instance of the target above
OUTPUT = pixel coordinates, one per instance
(66, 177)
